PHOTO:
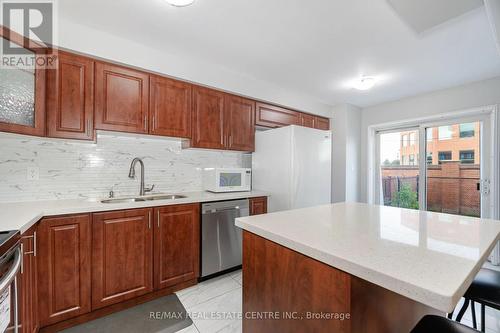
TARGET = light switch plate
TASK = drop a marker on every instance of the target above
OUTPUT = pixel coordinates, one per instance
(33, 173)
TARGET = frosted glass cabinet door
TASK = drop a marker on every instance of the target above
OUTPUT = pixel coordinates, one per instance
(17, 96)
(22, 98)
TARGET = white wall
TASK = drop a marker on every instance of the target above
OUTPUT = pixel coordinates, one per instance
(444, 101)
(346, 127)
(338, 152)
(90, 41)
(353, 153)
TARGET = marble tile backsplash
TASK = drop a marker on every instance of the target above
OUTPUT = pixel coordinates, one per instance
(71, 169)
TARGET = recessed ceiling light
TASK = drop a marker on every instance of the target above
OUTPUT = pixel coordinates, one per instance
(180, 3)
(365, 83)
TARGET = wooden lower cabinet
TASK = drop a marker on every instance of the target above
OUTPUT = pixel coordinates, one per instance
(279, 280)
(258, 206)
(176, 244)
(29, 311)
(88, 263)
(287, 283)
(63, 267)
(122, 256)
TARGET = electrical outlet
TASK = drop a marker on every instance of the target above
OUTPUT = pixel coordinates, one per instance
(33, 173)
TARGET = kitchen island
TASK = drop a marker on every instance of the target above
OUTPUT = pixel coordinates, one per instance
(352, 267)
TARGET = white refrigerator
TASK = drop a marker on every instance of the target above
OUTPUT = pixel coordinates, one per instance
(293, 164)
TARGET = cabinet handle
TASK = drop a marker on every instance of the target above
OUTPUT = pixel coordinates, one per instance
(154, 123)
(158, 218)
(22, 258)
(149, 220)
(34, 244)
(145, 122)
(87, 127)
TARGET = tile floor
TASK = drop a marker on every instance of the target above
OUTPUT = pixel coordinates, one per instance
(214, 305)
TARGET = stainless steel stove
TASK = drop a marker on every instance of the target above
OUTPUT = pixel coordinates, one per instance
(10, 264)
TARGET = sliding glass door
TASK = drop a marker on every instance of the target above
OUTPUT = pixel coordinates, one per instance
(441, 167)
(453, 168)
(458, 167)
(399, 168)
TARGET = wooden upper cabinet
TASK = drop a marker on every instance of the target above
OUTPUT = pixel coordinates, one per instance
(306, 120)
(70, 98)
(176, 244)
(222, 121)
(321, 123)
(239, 123)
(122, 257)
(273, 116)
(170, 107)
(63, 259)
(208, 118)
(121, 99)
(22, 101)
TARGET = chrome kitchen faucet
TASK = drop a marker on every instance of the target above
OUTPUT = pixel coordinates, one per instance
(131, 174)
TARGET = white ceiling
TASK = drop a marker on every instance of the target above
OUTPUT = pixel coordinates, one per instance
(423, 15)
(314, 47)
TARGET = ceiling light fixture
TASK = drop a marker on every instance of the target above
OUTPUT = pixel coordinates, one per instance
(365, 83)
(180, 3)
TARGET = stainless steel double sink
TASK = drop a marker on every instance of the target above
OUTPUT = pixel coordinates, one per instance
(144, 198)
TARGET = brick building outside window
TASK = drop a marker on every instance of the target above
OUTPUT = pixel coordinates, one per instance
(452, 164)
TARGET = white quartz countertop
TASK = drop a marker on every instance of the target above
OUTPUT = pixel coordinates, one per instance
(428, 257)
(22, 215)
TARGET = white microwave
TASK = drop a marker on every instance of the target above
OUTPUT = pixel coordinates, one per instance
(227, 180)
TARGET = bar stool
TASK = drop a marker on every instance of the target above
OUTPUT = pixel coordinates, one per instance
(485, 290)
(431, 323)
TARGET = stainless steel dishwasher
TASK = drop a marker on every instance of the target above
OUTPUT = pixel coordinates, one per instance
(221, 239)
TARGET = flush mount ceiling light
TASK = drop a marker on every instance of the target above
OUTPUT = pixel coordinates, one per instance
(364, 83)
(180, 3)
